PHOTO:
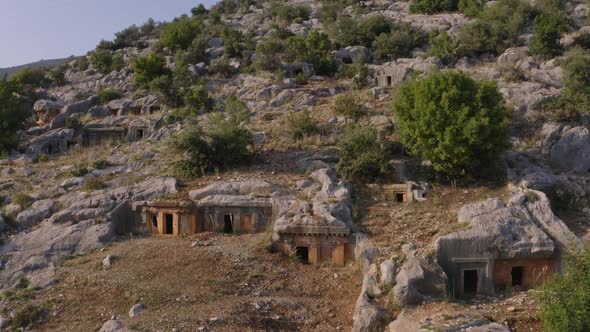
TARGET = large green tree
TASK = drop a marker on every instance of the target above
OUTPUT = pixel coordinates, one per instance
(456, 122)
(14, 110)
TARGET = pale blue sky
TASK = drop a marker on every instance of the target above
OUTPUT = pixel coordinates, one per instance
(31, 30)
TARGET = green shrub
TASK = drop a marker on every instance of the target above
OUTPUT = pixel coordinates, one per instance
(575, 98)
(302, 124)
(102, 60)
(197, 100)
(582, 40)
(362, 156)
(79, 170)
(548, 30)
(82, 63)
(93, 184)
(441, 46)
(147, 68)
(101, 164)
(58, 74)
(26, 316)
(14, 111)
(470, 8)
(127, 37)
(22, 199)
(457, 123)
(223, 144)
(72, 123)
(268, 54)
(291, 13)
(200, 10)
(314, 48)
(223, 68)
(107, 95)
(398, 43)
(565, 299)
(433, 6)
(233, 42)
(496, 28)
(23, 283)
(179, 34)
(350, 107)
(301, 79)
(362, 31)
(358, 72)
(195, 53)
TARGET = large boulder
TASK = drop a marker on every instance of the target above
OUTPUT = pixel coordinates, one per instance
(353, 54)
(571, 152)
(113, 326)
(47, 109)
(39, 211)
(79, 107)
(416, 279)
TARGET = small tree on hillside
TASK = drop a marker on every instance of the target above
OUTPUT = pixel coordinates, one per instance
(548, 30)
(362, 155)
(148, 68)
(350, 107)
(565, 300)
(14, 110)
(457, 123)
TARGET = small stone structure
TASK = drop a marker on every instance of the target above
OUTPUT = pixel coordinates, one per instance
(188, 217)
(47, 110)
(315, 231)
(319, 229)
(407, 192)
(92, 136)
(391, 73)
(503, 246)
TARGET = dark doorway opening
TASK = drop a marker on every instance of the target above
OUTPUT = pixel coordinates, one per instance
(470, 282)
(228, 227)
(155, 221)
(140, 134)
(169, 224)
(49, 149)
(302, 254)
(298, 72)
(388, 80)
(399, 197)
(517, 272)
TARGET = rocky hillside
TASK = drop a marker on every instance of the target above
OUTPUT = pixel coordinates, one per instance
(295, 96)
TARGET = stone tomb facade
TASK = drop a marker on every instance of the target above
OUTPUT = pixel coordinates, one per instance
(103, 135)
(187, 218)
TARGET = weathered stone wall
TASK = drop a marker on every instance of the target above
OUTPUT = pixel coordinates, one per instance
(535, 272)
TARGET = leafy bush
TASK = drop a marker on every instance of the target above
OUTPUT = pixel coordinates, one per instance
(223, 68)
(179, 34)
(548, 30)
(81, 63)
(268, 54)
(362, 31)
(358, 72)
(29, 79)
(398, 43)
(441, 46)
(470, 8)
(127, 37)
(433, 6)
(223, 144)
(582, 40)
(197, 100)
(14, 110)
(575, 99)
(107, 95)
(302, 124)
(102, 60)
(93, 184)
(565, 299)
(199, 10)
(362, 156)
(26, 316)
(22, 199)
(314, 48)
(496, 28)
(195, 53)
(147, 68)
(349, 106)
(233, 42)
(79, 170)
(101, 164)
(291, 13)
(58, 74)
(457, 123)
(72, 123)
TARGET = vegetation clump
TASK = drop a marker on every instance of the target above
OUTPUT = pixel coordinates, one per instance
(350, 107)
(363, 156)
(457, 123)
(302, 124)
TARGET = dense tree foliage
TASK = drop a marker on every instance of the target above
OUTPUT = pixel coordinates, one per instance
(149, 67)
(223, 144)
(362, 31)
(179, 34)
(496, 28)
(398, 43)
(565, 299)
(457, 123)
(350, 107)
(575, 98)
(433, 6)
(314, 48)
(102, 60)
(14, 110)
(548, 30)
(362, 154)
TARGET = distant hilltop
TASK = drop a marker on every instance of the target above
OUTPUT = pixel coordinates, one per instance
(41, 63)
